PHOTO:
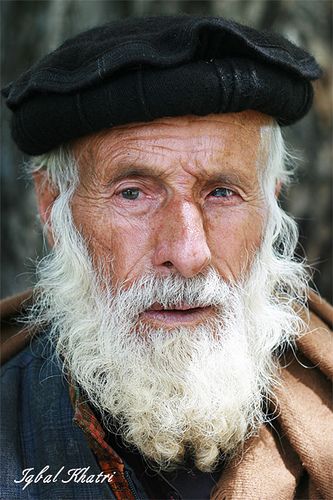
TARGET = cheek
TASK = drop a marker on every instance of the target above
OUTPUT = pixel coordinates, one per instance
(131, 247)
(233, 237)
(121, 245)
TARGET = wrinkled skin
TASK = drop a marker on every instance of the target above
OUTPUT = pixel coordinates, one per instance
(173, 195)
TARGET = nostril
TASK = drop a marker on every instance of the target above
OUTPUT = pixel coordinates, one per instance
(167, 264)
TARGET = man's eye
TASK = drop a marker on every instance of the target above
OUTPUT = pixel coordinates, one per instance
(222, 192)
(130, 193)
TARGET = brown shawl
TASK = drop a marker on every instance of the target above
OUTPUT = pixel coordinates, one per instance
(292, 458)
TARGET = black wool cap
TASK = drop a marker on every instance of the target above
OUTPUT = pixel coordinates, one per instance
(140, 69)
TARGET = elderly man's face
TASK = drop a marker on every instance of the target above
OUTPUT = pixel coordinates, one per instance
(174, 212)
(174, 195)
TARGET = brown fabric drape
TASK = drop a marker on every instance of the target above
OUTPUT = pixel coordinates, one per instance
(292, 458)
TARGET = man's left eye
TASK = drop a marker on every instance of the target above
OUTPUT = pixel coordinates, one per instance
(222, 192)
(130, 193)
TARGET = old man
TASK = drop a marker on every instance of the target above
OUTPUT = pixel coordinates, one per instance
(160, 336)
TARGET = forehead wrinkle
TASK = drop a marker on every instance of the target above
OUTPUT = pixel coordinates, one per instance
(105, 148)
(137, 167)
(120, 164)
(185, 138)
(171, 142)
(126, 146)
(135, 158)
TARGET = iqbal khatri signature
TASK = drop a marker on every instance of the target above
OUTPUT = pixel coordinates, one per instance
(78, 475)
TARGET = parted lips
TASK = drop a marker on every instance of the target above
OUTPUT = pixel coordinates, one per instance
(139, 69)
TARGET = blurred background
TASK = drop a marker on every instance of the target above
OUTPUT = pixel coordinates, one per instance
(31, 28)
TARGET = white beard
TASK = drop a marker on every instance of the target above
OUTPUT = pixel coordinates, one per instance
(198, 390)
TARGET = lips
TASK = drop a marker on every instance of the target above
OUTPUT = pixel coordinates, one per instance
(180, 314)
(183, 307)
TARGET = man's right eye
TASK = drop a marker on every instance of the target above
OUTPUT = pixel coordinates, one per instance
(130, 193)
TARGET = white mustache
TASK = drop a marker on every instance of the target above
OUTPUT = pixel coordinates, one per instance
(173, 292)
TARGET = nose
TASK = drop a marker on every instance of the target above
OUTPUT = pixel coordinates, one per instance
(181, 241)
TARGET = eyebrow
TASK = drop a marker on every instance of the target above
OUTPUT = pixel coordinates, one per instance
(133, 171)
(150, 172)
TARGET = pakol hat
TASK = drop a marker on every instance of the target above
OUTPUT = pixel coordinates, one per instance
(139, 69)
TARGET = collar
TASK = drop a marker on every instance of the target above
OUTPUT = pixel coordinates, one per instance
(109, 461)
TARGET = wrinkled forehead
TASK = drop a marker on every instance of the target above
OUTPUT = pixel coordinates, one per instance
(235, 137)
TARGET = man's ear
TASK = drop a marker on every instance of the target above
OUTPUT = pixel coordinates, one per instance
(46, 194)
(278, 187)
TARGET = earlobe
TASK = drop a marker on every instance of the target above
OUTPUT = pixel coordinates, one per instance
(278, 187)
(46, 194)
